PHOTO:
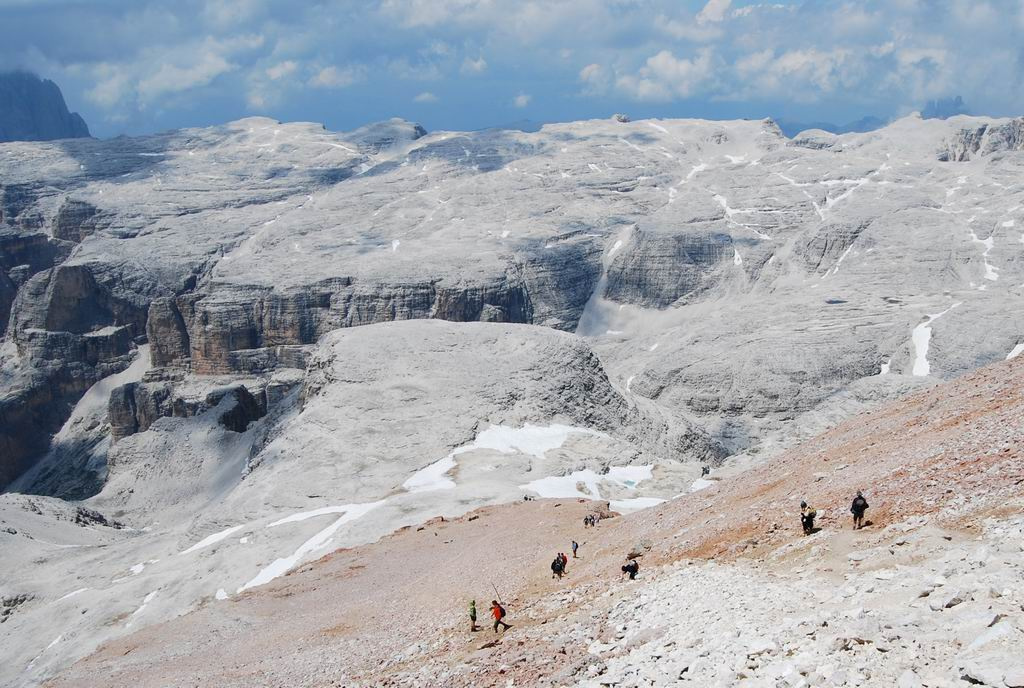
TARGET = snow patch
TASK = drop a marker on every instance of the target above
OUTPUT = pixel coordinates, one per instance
(212, 539)
(701, 484)
(395, 244)
(989, 243)
(530, 439)
(145, 602)
(566, 486)
(921, 337)
(1015, 352)
(433, 476)
(737, 259)
(282, 566)
(72, 594)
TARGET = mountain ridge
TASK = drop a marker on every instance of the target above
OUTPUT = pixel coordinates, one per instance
(33, 109)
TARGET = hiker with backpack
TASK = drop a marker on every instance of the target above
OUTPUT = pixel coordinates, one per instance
(575, 546)
(472, 616)
(859, 506)
(631, 567)
(498, 612)
(807, 515)
(557, 569)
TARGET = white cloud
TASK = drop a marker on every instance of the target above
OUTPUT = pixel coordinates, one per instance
(522, 100)
(413, 13)
(425, 97)
(149, 60)
(594, 78)
(282, 69)
(470, 66)
(714, 11)
(687, 29)
(170, 78)
(336, 77)
(665, 77)
(158, 72)
(113, 84)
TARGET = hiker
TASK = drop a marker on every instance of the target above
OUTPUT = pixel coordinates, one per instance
(859, 506)
(557, 569)
(499, 613)
(586, 521)
(631, 567)
(472, 616)
(565, 562)
(575, 546)
(704, 470)
(807, 514)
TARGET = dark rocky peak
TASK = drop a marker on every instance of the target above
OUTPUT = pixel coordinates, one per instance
(33, 109)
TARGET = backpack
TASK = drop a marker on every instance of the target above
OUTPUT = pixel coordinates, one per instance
(501, 612)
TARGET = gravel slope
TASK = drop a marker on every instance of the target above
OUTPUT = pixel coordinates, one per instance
(927, 595)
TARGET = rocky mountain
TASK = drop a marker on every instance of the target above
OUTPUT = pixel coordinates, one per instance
(202, 337)
(33, 109)
(817, 262)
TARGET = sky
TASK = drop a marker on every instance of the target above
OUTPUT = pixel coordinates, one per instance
(140, 66)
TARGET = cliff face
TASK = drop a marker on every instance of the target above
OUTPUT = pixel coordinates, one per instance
(33, 109)
(726, 275)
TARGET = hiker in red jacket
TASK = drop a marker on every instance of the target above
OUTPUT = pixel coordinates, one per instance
(499, 613)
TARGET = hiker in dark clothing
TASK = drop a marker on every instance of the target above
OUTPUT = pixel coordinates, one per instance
(859, 506)
(557, 569)
(575, 546)
(498, 612)
(807, 514)
(631, 567)
(472, 616)
(586, 521)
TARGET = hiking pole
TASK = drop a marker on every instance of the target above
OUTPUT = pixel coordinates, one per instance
(497, 594)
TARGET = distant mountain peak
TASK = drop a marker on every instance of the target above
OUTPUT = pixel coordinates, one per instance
(33, 109)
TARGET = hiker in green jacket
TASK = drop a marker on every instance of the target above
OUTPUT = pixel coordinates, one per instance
(472, 616)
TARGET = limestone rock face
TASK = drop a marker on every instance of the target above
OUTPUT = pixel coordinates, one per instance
(728, 277)
(985, 138)
(33, 109)
(75, 221)
(658, 269)
(134, 407)
(166, 331)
